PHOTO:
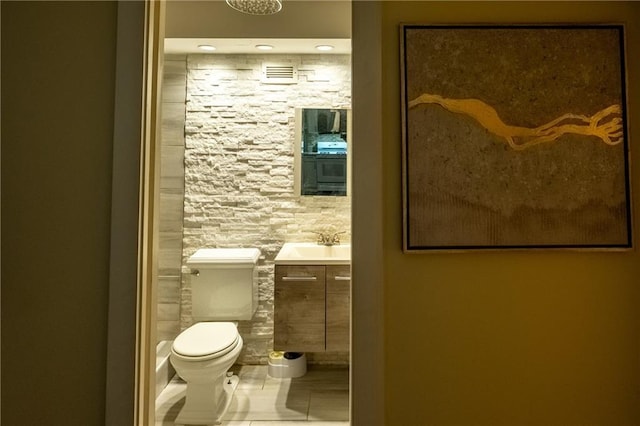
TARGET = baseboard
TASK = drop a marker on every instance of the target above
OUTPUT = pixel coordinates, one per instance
(164, 369)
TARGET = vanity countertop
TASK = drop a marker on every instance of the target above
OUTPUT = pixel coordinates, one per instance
(313, 254)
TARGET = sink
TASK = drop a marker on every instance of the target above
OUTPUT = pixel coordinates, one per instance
(313, 254)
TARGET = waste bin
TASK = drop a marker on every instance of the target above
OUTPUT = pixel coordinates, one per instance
(285, 365)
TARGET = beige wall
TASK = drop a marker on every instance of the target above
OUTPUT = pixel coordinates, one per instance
(58, 62)
(505, 338)
(492, 338)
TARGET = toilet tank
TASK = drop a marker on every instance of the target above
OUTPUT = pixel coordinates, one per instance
(224, 283)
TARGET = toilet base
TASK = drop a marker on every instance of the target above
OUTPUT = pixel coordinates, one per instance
(203, 412)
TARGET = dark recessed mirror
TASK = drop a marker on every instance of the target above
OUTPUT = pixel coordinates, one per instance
(321, 154)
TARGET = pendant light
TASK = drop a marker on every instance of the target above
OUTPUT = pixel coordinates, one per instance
(256, 7)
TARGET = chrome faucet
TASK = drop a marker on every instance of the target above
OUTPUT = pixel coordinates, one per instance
(328, 239)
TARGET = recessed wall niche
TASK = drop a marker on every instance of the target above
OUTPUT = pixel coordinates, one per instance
(239, 175)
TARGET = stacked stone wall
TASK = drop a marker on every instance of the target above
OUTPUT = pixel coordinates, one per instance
(239, 175)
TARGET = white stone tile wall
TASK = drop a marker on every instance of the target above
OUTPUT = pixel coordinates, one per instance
(239, 136)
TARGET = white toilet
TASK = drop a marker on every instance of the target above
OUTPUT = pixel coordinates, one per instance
(224, 287)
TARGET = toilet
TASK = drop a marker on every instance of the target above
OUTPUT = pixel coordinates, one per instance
(224, 289)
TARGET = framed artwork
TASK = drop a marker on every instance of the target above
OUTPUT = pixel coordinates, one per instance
(514, 137)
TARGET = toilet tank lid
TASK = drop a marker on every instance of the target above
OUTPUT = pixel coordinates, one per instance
(236, 256)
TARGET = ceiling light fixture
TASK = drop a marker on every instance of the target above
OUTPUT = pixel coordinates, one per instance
(256, 7)
(206, 47)
(324, 47)
(264, 47)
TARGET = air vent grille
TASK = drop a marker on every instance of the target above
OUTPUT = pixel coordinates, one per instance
(279, 73)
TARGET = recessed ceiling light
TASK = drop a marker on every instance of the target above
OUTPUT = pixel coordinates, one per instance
(324, 47)
(207, 47)
(264, 47)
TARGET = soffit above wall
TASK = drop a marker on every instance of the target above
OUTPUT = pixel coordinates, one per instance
(298, 19)
(248, 46)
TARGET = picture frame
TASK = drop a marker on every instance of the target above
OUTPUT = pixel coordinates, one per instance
(514, 137)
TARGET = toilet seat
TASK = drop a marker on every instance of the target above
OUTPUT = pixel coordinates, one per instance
(206, 340)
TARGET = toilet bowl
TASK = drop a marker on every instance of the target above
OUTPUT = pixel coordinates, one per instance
(201, 355)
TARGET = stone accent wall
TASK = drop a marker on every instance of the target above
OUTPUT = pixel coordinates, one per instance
(239, 176)
(171, 196)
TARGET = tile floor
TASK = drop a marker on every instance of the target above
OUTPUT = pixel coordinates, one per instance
(319, 398)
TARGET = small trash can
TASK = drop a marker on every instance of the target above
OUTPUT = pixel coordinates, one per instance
(286, 365)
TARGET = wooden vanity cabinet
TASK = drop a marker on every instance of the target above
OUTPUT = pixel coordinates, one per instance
(299, 311)
(312, 308)
(338, 307)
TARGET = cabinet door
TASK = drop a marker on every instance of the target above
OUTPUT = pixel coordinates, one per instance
(338, 307)
(299, 308)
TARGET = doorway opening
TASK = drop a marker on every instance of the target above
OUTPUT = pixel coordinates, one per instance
(226, 180)
(132, 307)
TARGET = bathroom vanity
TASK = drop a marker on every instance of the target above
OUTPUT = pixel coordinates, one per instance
(312, 299)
